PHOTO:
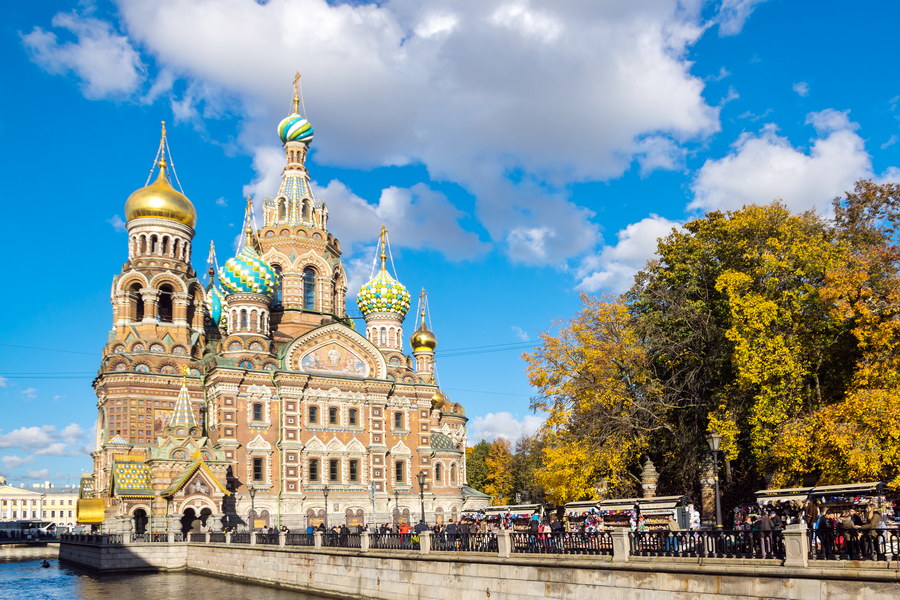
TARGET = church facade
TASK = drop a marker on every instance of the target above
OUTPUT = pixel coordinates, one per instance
(251, 399)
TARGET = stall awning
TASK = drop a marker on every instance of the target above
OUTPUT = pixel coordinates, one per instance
(805, 493)
(513, 509)
(646, 505)
(90, 510)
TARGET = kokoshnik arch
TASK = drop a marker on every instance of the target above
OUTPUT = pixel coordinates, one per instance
(258, 380)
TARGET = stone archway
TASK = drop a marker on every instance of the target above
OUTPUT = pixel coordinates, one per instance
(140, 521)
(187, 519)
(354, 518)
(315, 517)
(205, 513)
(439, 515)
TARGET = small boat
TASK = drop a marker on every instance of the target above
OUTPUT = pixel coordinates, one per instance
(46, 564)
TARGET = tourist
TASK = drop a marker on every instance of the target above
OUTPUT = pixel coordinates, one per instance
(825, 532)
(765, 526)
(672, 538)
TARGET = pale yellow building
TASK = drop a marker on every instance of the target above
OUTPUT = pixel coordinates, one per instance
(39, 503)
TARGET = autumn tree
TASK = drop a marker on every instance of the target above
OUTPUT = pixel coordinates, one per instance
(476, 469)
(601, 402)
(499, 478)
(526, 461)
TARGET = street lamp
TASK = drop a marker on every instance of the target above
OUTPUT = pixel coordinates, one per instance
(397, 506)
(421, 478)
(715, 440)
(325, 491)
(252, 491)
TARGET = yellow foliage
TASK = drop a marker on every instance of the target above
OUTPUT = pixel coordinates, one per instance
(499, 480)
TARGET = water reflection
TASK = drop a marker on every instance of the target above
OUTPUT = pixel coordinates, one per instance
(27, 580)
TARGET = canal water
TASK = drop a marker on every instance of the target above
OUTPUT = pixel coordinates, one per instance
(27, 580)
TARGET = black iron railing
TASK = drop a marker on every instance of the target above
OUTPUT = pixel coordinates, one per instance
(147, 538)
(300, 539)
(242, 537)
(341, 540)
(269, 539)
(197, 537)
(394, 541)
(217, 537)
(562, 542)
(464, 542)
(712, 544)
(854, 544)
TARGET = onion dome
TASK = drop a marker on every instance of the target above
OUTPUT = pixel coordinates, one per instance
(423, 339)
(294, 128)
(383, 293)
(437, 401)
(215, 303)
(248, 273)
(160, 200)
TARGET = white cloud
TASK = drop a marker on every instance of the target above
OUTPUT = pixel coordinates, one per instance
(614, 267)
(764, 167)
(105, 61)
(733, 14)
(117, 223)
(45, 440)
(503, 424)
(14, 462)
(3, 382)
(39, 474)
(572, 92)
(801, 88)
(221, 201)
(520, 333)
(29, 393)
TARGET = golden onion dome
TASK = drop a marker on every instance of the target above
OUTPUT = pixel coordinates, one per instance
(423, 339)
(160, 200)
(437, 400)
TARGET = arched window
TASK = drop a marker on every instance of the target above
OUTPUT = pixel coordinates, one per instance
(176, 248)
(254, 320)
(137, 300)
(243, 319)
(257, 411)
(282, 211)
(143, 244)
(165, 303)
(165, 245)
(279, 283)
(153, 244)
(437, 473)
(306, 210)
(309, 288)
(383, 337)
(453, 474)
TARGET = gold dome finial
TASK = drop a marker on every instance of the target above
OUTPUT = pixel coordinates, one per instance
(159, 199)
(296, 105)
(423, 339)
(383, 241)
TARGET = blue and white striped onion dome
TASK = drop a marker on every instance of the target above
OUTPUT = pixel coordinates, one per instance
(294, 128)
(383, 294)
(216, 303)
(248, 273)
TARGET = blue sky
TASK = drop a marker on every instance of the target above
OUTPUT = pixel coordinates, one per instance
(519, 152)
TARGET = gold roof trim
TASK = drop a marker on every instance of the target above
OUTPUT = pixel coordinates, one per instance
(186, 475)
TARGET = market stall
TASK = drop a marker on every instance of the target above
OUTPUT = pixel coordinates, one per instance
(626, 512)
(805, 503)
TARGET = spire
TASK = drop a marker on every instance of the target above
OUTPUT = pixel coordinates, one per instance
(162, 147)
(211, 261)
(183, 415)
(296, 105)
(382, 239)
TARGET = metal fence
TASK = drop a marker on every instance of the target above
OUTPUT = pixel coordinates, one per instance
(464, 542)
(854, 544)
(562, 542)
(217, 537)
(240, 538)
(197, 537)
(269, 539)
(300, 539)
(394, 541)
(710, 544)
(341, 540)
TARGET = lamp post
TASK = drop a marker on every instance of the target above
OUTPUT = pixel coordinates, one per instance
(252, 491)
(372, 497)
(421, 478)
(325, 492)
(397, 506)
(715, 440)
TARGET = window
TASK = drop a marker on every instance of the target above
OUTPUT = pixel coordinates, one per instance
(437, 472)
(279, 280)
(164, 303)
(134, 292)
(314, 469)
(309, 288)
(398, 471)
(334, 471)
(398, 420)
(257, 411)
(243, 319)
(258, 469)
(352, 418)
(332, 416)
(313, 414)
(354, 471)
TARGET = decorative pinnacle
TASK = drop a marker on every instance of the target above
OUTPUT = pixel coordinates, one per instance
(296, 106)
(383, 237)
(248, 230)
(162, 146)
(422, 304)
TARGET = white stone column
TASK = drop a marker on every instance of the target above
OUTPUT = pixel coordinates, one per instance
(621, 545)
(317, 540)
(364, 541)
(425, 542)
(504, 543)
(796, 546)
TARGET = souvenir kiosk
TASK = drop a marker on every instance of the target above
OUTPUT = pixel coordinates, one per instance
(516, 516)
(807, 502)
(620, 512)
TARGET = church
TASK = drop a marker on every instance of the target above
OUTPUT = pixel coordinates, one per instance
(250, 399)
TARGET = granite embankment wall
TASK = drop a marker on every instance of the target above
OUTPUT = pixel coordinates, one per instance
(408, 575)
(17, 552)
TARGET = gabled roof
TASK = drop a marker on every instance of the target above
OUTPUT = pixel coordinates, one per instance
(132, 480)
(185, 476)
(468, 492)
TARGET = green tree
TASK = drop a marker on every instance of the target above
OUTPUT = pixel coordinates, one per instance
(476, 469)
(526, 461)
